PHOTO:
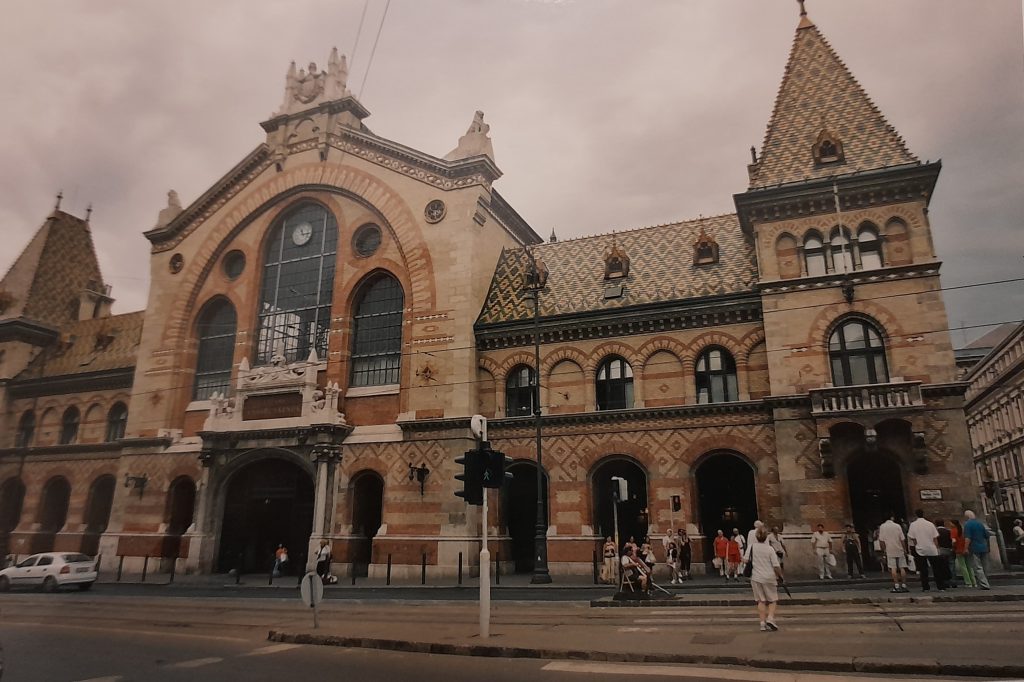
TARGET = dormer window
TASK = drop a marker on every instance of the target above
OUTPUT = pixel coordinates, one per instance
(616, 263)
(828, 148)
(705, 249)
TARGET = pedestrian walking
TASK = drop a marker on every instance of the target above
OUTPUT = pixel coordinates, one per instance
(778, 544)
(280, 559)
(608, 566)
(945, 542)
(960, 553)
(892, 543)
(672, 560)
(821, 541)
(721, 547)
(925, 538)
(976, 535)
(1018, 533)
(751, 538)
(766, 573)
(323, 561)
(851, 548)
(734, 555)
(685, 554)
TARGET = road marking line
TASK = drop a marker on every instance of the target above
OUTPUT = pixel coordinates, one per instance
(197, 662)
(150, 633)
(630, 669)
(639, 629)
(272, 649)
(109, 678)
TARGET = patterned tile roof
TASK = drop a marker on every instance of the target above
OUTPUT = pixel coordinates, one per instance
(102, 343)
(819, 92)
(52, 271)
(661, 269)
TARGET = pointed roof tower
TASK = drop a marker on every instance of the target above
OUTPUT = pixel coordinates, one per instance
(823, 123)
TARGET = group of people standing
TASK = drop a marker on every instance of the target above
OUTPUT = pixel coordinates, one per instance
(732, 553)
(640, 560)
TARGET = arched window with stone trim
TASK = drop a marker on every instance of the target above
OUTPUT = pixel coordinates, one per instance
(117, 420)
(377, 332)
(869, 247)
(814, 255)
(614, 384)
(519, 391)
(216, 331)
(69, 424)
(298, 282)
(842, 252)
(26, 430)
(715, 373)
(857, 354)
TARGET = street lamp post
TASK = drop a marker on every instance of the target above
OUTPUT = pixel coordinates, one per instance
(536, 279)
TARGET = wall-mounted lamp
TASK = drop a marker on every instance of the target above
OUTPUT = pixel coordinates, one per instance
(136, 482)
(419, 473)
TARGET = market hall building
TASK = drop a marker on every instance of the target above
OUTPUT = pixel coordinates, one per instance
(325, 319)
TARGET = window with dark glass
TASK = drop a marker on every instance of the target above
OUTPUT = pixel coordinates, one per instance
(814, 255)
(26, 430)
(870, 248)
(117, 420)
(842, 256)
(69, 426)
(377, 333)
(519, 389)
(298, 280)
(716, 377)
(367, 240)
(857, 354)
(614, 385)
(216, 331)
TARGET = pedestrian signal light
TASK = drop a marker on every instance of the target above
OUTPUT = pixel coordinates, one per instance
(472, 477)
(494, 469)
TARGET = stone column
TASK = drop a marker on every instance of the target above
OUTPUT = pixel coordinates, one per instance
(199, 534)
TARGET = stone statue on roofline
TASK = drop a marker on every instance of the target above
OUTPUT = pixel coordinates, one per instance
(475, 142)
(305, 88)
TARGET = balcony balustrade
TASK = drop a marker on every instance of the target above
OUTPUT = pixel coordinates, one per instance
(899, 395)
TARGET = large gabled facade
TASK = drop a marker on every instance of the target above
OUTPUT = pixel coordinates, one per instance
(323, 322)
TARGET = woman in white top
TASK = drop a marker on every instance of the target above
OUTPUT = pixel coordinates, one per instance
(764, 578)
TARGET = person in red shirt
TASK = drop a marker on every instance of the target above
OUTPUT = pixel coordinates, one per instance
(734, 556)
(721, 552)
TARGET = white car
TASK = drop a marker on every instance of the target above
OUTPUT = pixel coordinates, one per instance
(50, 570)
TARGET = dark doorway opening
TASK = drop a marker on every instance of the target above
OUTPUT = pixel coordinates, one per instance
(53, 513)
(268, 502)
(97, 513)
(633, 513)
(181, 502)
(12, 496)
(727, 497)
(876, 490)
(367, 514)
(519, 498)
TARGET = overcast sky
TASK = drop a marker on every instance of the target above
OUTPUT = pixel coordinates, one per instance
(604, 114)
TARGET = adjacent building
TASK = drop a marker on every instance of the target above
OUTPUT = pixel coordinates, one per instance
(323, 322)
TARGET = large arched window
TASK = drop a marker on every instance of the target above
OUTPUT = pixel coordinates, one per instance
(842, 255)
(614, 384)
(298, 278)
(857, 354)
(26, 430)
(716, 377)
(519, 392)
(69, 426)
(377, 333)
(216, 330)
(117, 419)
(814, 255)
(870, 248)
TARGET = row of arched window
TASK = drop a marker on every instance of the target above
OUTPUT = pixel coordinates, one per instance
(856, 357)
(294, 311)
(841, 250)
(70, 425)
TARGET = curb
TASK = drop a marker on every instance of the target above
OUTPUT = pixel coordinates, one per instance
(609, 602)
(866, 664)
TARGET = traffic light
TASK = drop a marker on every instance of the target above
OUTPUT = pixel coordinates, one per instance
(472, 476)
(494, 469)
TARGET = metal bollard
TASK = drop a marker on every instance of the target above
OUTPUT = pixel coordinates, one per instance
(174, 567)
(99, 558)
(595, 567)
(460, 568)
(497, 568)
(145, 568)
(423, 570)
(388, 582)
(355, 569)
(120, 567)
(238, 571)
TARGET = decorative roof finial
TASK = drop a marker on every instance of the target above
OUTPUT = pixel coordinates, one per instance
(803, 10)
(60, 195)
(554, 237)
(88, 212)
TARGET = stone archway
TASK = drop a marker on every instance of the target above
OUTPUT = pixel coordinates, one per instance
(53, 514)
(633, 513)
(519, 510)
(726, 496)
(367, 515)
(266, 503)
(97, 513)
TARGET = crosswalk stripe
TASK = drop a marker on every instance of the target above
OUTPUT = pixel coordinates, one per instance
(197, 662)
(273, 649)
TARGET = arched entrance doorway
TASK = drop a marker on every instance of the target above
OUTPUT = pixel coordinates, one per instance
(727, 496)
(12, 496)
(181, 502)
(53, 513)
(875, 481)
(268, 502)
(519, 508)
(367, 514)
(97, 513)
(633, 513)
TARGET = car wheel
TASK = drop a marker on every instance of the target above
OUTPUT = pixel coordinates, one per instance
(84, 586)
(5, 583)
(50, 584)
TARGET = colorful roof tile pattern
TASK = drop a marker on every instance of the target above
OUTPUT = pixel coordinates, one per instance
(818, 92)
(661, 270)
(102, 343)
(52, 272)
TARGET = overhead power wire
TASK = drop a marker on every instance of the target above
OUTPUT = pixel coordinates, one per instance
(373, 52)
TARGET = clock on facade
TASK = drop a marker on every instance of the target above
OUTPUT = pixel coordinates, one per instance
(302, 234)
